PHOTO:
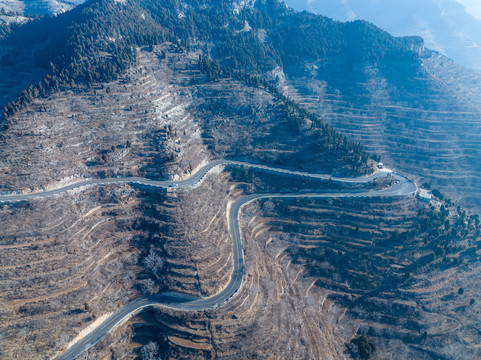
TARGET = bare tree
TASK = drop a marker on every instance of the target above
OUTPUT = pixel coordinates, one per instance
(154, 263)
(148, 286)
(149, 351)
(62, 342)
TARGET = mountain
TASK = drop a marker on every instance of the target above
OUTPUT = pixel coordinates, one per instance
(20, 11)
(445, 25)
(70, 46)
(155, 90)
(298, 50)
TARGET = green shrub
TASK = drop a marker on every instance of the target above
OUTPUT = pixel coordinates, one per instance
(364, 346)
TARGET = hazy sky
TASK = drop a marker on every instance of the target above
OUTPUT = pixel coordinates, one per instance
(472, 6)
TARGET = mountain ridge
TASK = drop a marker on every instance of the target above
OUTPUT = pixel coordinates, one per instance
(444, 24)
(67, 53)
(324, 278)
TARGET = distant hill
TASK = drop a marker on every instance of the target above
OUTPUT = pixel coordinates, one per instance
(13, 10)
(445, 25)
(19, 12)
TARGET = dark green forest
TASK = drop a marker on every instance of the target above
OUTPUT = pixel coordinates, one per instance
(95, 41)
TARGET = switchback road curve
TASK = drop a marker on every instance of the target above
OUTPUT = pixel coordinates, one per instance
(402, 186)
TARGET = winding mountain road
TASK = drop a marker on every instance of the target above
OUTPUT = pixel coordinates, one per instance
(401, 187)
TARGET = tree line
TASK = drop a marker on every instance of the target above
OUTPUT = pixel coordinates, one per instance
(327, 140)
(95, 41)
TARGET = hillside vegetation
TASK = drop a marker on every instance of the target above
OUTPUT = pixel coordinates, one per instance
(93, 41)
(157, 89)
(162, 119)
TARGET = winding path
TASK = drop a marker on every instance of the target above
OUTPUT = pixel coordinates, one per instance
(401, 187)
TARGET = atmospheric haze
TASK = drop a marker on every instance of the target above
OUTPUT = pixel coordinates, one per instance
(448, 26)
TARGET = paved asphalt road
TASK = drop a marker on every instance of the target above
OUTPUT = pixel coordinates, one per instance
(403, 186)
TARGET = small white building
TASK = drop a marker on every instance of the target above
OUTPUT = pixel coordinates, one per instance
(425, 195)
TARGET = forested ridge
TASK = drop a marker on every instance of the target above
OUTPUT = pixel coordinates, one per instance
(304, 123)
(94, 42)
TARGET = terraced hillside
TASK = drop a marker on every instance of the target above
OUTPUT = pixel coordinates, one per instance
(362, 260)
(127, 127)
(368, 266)
(73, 259)
(318, 273)
(65, 262)
(427, 125)
(322, 273)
